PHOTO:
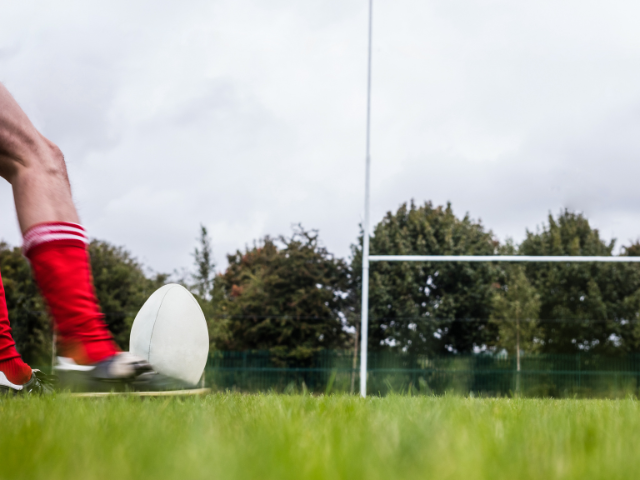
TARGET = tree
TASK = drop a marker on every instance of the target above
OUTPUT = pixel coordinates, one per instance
(516, 306)
(202, 288)
(584, 307)
(282, 295)
(428, 307)
(205, 266)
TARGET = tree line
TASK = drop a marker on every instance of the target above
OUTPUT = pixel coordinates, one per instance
(293, 297)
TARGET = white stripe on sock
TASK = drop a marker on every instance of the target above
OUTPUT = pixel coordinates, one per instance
(51, 237)
(44, 229)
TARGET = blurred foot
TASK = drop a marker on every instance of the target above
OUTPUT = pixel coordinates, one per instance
(121, 372)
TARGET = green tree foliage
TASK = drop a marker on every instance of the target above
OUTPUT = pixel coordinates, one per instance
(285, 296)
(30, 324)
(584, 307)
(291, 296)
(516, 307)
(205, 266)
(202, 288)
(427, 307)
(121, 287)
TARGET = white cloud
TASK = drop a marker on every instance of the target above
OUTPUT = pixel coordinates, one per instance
(248, 116)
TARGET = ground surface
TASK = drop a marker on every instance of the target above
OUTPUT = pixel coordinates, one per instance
(231, 436)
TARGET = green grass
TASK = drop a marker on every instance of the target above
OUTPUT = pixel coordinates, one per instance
(233, 436)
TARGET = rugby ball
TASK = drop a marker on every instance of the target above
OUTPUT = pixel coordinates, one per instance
(170, 332)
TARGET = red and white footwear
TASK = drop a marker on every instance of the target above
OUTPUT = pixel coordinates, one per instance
(38, 384)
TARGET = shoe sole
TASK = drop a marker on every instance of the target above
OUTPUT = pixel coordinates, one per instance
(167, 393)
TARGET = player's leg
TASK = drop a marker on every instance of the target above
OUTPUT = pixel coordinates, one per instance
(54, 242)
(11, 364)
(35, 168)
(15, 375)
(56, 246)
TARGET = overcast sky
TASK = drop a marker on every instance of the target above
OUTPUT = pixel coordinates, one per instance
(249, 116)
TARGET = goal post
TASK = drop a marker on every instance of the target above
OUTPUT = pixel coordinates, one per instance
(366, 258)
(500, 258)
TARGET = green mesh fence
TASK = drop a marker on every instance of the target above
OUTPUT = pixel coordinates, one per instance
(484, 375)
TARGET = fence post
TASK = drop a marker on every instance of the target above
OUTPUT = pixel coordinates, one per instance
(579, 372)
(244, 367)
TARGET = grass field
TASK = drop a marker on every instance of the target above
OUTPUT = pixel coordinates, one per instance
(233, 436)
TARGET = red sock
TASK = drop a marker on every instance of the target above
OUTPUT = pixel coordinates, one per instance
(11, 364)
(60, 262)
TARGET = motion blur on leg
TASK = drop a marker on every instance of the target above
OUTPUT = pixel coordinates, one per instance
(56, 246)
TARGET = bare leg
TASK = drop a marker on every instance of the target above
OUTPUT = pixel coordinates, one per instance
(56, 246)
(34, 167)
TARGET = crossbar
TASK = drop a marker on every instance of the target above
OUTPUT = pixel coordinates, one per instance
(499, 258)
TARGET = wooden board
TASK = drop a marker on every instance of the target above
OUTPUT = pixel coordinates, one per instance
(168, 393)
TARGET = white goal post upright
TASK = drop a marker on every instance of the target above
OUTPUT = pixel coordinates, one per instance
(364, 311)
(366, 258)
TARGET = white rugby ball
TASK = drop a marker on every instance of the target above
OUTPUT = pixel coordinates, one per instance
(170, 332)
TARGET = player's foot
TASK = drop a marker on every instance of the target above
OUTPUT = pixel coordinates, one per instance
(39, 384)
(120, 373)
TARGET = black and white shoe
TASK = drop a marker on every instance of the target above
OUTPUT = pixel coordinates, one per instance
(123, 372)
(39, 384)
